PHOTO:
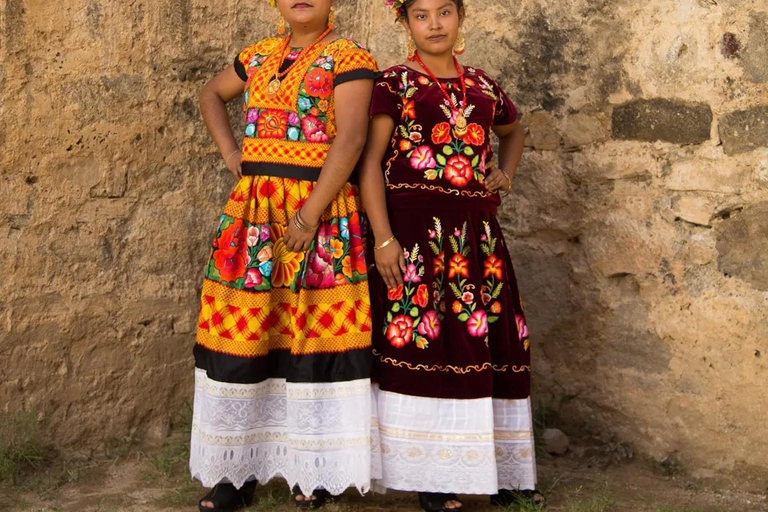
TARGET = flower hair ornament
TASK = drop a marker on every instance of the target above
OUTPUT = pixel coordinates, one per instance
(273, 3)
(398, 6)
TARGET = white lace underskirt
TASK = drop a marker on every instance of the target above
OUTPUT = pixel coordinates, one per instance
(313, 435)
(446, 445)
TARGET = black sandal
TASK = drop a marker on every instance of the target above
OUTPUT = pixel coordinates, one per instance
(321, 498)
(226, 498)
(507, 498)
(435, 502)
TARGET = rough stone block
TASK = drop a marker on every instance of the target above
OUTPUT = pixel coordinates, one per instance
(744, 130)
(662, 120)
(742, 244)
(755, 54)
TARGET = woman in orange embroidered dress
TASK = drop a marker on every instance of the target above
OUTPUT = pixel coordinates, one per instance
(283, 341)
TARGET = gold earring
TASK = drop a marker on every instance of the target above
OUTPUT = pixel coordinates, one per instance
(280, 24)
(460, 45)
(332, 18)
(411, 49)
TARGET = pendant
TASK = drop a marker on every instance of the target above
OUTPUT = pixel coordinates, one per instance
(461, 125)
(274, 87)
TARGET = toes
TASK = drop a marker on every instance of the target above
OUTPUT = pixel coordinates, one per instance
(208, 504)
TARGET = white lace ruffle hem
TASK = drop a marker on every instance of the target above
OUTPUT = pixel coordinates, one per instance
(313, 435)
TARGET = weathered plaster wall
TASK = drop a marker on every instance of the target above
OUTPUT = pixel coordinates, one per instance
(639, 220)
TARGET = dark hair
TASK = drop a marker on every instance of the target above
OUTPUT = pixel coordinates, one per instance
(409, 3)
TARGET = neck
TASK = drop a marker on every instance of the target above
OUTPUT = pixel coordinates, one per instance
(303, 36)
(441, 65)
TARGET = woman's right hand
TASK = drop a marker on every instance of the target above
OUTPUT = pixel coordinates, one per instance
(390, 262)
(235, 164)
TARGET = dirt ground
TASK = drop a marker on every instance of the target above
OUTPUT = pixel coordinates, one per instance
(133, 480)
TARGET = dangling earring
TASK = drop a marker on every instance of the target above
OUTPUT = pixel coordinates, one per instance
(460, 45)
(332, 18)
(411, 49)
(280, 24)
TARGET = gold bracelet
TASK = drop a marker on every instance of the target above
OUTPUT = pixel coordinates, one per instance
(385, 243)
(301, 225)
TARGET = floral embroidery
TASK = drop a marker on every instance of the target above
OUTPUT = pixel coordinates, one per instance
(522, 331)
(286, 264)
(492, 274)
(336, 257)
(465, 305)
(272, 124)
(319, 83)
(404, 321)
(438, 268)
(229, 257)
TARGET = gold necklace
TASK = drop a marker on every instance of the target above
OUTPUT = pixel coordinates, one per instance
(274, 84)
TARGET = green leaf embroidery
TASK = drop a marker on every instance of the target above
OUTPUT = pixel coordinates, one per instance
(469, 151)
(441, 160)
(411, 92)
(454, 244)
(492, 319)
(448, 150)
(464, 317)
(389, 319)
(456, 290)
(395, 307)
(414, 312)
(486, 250)
(433, 246)
(476, 161)
(497, 291)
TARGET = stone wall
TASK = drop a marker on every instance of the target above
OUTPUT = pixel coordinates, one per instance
(638, 224)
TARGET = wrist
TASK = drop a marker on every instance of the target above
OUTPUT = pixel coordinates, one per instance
(309, 214)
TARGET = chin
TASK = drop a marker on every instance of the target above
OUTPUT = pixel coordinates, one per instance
(438, 49)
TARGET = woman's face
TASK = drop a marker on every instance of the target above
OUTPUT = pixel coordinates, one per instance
(305, 13)
(434, 25)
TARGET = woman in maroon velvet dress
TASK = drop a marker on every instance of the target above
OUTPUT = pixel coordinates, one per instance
(451, 354)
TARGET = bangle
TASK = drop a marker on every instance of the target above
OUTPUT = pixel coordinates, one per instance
(301, 225)
(385, 243)
(509, 180)
(226, 160)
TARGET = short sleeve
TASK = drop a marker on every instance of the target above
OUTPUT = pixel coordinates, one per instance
(386, 98)
(505, 112)
(245, 59)
(354, 63)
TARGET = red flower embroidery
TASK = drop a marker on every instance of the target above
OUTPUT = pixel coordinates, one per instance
(405, 145)
(416, 137)
(457, 307)
(422, 296)
(438, 264)
(231, 251)
(458, 266)
(272, 124)
(468, 297)
(495, 308)
(493, 267)
(395, 294)
(475, 135)
(314, 129)
(409, 109)
(441, 133)
(319, 83)
(458, 171)
(400, 331)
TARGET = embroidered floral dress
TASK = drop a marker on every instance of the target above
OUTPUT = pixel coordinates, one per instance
(451, 354)
(283, 340)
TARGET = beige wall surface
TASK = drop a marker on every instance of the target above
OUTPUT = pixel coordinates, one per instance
(638, 222)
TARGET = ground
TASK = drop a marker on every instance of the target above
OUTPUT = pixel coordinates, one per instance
(585, 480)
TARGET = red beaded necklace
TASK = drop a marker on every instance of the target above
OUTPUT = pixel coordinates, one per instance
(276, 82)
(461, 120)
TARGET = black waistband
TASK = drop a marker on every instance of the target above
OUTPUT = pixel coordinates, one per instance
(294, 172)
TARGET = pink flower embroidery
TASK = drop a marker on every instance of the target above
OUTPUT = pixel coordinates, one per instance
(253, 236)
(423, 158)
(253, 278)
(320, 267)
(467, 298)
(411, 274)
(430, 325)
(314, 129)
(522, 328)
(477, 325)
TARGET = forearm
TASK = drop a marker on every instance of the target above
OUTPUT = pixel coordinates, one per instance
(511, 150)
(340, 162)
(214, 111)
(373, 193)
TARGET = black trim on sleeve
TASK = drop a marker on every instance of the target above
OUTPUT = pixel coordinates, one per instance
(240, 69)
(350, 76)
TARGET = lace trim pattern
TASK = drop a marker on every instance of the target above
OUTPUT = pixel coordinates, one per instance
(462, 446)
(313, 435)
